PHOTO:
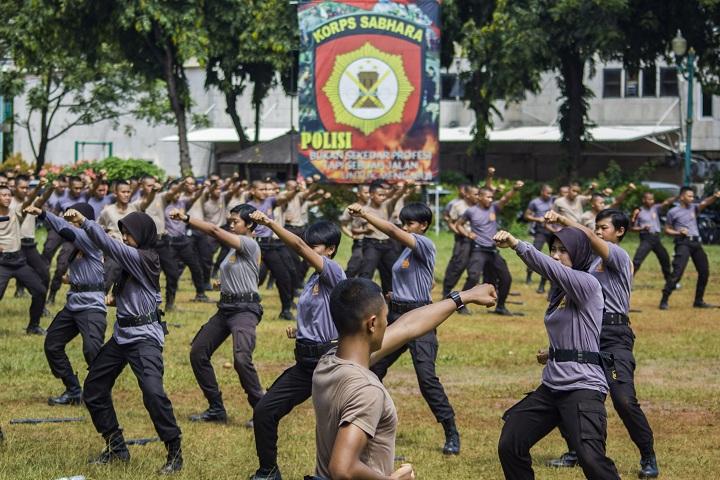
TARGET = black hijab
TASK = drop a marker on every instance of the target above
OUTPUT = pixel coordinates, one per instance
(581, 253)
(143, 230)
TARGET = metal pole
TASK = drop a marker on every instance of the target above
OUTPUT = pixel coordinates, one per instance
(689, 121)
(437, 210)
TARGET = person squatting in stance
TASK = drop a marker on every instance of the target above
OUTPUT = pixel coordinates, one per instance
(541, 232)
(646, 221)
(412, 281)
(315, 335)
(681, 223)
(84, 311)
(485, 259)
(238, 314)
(613, 269)
(355, 417)
(13, 263)
(573, 389)
(138, 339)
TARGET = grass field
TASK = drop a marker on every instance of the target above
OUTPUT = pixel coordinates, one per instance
(486, 363)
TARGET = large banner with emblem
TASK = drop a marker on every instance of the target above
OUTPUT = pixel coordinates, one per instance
(369, 87)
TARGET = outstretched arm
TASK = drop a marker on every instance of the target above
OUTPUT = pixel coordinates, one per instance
(599, 246)
(290, 239)
(418, 322)
(384, 226)
(506, 198)
(228, 239)
(708, 201)
(623, 195)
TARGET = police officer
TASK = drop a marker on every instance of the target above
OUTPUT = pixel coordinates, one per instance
(461, 246)
(84, 311)
(412, 280)
(613, 269)
(354, 228)
(239, 312)
(542, 233)
(484, 257)
(681, 223)
(646, 221)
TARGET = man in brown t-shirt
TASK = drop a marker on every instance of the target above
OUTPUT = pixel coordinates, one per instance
(355, 417)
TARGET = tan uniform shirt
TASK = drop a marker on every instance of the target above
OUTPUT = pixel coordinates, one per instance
(571, 209)
(27, 227)
(213, 211)
(344, 393)
(10, 230)
(111, 215)
(293, 212)
(381, 212)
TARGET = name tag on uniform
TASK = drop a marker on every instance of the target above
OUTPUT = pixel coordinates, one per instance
(492, 217)
(406, 263)
(316, 289)
(232, 259)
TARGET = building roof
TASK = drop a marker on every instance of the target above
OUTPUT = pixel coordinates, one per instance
(613, 133)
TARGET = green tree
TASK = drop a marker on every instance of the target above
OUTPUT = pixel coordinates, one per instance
(65, 70)
(247, 42)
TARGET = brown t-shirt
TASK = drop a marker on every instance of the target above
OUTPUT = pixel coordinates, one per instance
(344, 393)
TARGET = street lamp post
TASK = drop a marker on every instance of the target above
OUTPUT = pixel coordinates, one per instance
(687, 70)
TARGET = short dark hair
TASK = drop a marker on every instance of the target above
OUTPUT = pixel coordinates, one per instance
(375, 184)
(597, 195)
(22, 178)
(416, 212)
(686, 189)
(323, 233)
(74, 178)
(617, 218)
(244, 210)
(352, 301)
(5, 187)
(119, 183)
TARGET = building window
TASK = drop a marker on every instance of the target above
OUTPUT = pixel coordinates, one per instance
(707, 104)
(649, 82)
(632, 83)
(612, 82)
(668, 82)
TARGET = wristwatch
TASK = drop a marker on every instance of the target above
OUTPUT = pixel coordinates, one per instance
(187, 218)
(455, 296)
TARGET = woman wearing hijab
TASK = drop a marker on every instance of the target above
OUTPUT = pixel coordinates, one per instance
(238, 314)
(138, 338)
(573, 389)
(84, 311)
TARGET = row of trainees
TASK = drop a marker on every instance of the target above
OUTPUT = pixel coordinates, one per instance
(177, 246)
(316, 334)
(473, 230)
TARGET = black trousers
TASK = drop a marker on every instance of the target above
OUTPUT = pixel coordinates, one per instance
(583, 417)
(275, 257)
(457, 264)
(299, 263)
(650, 242)
(67, 325)
(541, 238)
(181, 250)
(684, 251)
(53, 242)
(292, 388)
(37, 262)
(241, 325)
(492, 266)
(356, 258)
(146, 361)
(61, 266)
(205, 246)
(423, 351)
(30, 279)
(380, 255)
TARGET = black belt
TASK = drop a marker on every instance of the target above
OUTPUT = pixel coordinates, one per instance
(357, 241)
(27, 242)
(314, 350)
(404, 307)
(377, 241)
(245, 297)
(689, 239)
(95, 287)
(11, 255)
(265, 240)
(575, 356)
(177, 239)
(484, 248)
(649, 234)
(615, 319)
(140, 320)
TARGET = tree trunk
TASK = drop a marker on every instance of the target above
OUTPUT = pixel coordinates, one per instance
(257, 106)
(231, 109)
(573, 112)
(174, 78)
(44, 129)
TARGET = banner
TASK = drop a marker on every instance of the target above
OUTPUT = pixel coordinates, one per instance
(369, 87)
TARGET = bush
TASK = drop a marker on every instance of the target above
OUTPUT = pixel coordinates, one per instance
(117, 169)
(16, 162)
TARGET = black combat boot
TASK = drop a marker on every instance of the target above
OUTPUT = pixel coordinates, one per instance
(664, 301)
(452, 437)
(72, 394)
(566, 460)
(215, 413)
(648, 467)
(115, 449)
(170, 303)
(267, 474)
(174, 462)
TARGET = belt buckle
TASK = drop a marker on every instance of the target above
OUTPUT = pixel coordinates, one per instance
(580, 357)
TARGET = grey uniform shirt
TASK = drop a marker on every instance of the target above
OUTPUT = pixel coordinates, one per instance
(539, 207)
(239, 269)
(314, 321)
(85, 269)
(682, 217)
(483, 223)
(412, 272)
(175, 228)
(649, 217)
(138, 297)
(574, 325)
(266, 206)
